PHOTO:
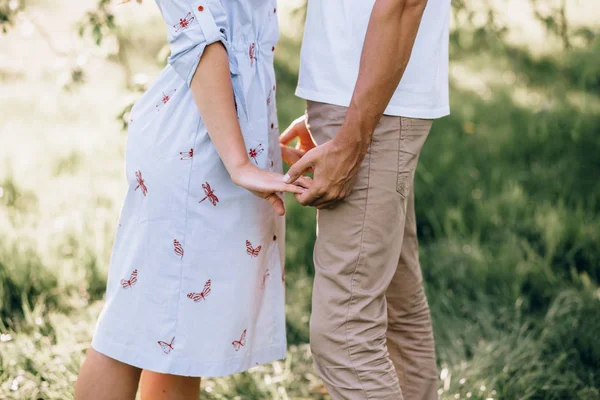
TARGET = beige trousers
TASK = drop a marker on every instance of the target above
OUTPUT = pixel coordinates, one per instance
(370, 328)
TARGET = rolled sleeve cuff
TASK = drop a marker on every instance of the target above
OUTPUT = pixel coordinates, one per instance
(210, 27)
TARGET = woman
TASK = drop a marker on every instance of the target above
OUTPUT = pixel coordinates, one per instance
(195, 286)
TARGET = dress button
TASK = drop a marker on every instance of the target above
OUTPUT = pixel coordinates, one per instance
(274, 237)
(272, 126)
(273, 48)
(274, 10)
(200, 8)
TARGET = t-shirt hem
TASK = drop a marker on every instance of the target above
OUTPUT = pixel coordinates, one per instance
(423, 113)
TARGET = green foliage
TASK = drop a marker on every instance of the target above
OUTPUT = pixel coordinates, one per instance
(508, 206)
(99, 22)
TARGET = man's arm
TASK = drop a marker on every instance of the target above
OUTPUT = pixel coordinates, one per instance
(388, 45)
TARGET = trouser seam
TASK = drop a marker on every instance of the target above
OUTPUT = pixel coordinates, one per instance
(358, 262)
(405, 200)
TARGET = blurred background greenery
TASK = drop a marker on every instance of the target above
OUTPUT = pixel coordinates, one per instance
(508, 197)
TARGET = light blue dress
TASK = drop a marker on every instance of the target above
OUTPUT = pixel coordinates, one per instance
(195, 285)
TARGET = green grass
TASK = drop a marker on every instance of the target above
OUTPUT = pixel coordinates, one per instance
(508, 210)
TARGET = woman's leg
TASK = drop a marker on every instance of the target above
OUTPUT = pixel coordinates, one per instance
(156, 386)
(104, 378)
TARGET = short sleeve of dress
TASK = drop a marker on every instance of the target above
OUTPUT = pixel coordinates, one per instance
(196, 24)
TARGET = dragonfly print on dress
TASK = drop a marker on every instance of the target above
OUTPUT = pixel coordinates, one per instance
(255, 152)
(166, 347)
(187, 155)
(128, 283)
(251, 251)
(237, 344)
(210, 194)
(184, 23)
(187, 223)
(141, 183)
(178, 248)
(203, 294)
(166, 96)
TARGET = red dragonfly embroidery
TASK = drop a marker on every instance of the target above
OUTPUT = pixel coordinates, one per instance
(166, 347)
(165, 99)
(178, 248)
(210, 194)
(264, 280)
(255, 152)
(251, 251)
(202, 295)
(131, 281)
(237, 344)
(141, 183)
(186, 155)
(251, 54)
(184, 22)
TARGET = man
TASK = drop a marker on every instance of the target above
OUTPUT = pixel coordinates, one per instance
(370, 108)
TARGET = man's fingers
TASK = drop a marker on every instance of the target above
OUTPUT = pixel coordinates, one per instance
(291, 132)
(290, 155)
(277, 203)
(288, 135)
(298, 169)
(308, 197)
(304, 181)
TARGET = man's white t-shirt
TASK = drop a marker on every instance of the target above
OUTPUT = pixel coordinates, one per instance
(333, 40)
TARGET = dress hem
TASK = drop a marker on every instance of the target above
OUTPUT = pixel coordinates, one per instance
(231, 366)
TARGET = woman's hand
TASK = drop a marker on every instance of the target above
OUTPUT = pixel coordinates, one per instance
(264, 184)
(297, 129)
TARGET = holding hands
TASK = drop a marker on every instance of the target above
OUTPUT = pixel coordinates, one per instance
(335, 165)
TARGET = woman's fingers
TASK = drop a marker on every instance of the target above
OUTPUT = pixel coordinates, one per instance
(291, 188)
(277, 203)
(280, 186)
(276, 184)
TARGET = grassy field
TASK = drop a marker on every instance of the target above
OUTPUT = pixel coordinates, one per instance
(508, 204)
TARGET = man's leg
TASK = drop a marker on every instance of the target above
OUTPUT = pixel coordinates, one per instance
(356, 257)
(409, 334)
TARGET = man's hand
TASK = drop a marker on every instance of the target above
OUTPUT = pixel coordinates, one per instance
(335, 166)
(389, 40)
(297, 129)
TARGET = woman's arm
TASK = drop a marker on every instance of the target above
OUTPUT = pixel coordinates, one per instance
(213, 92)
